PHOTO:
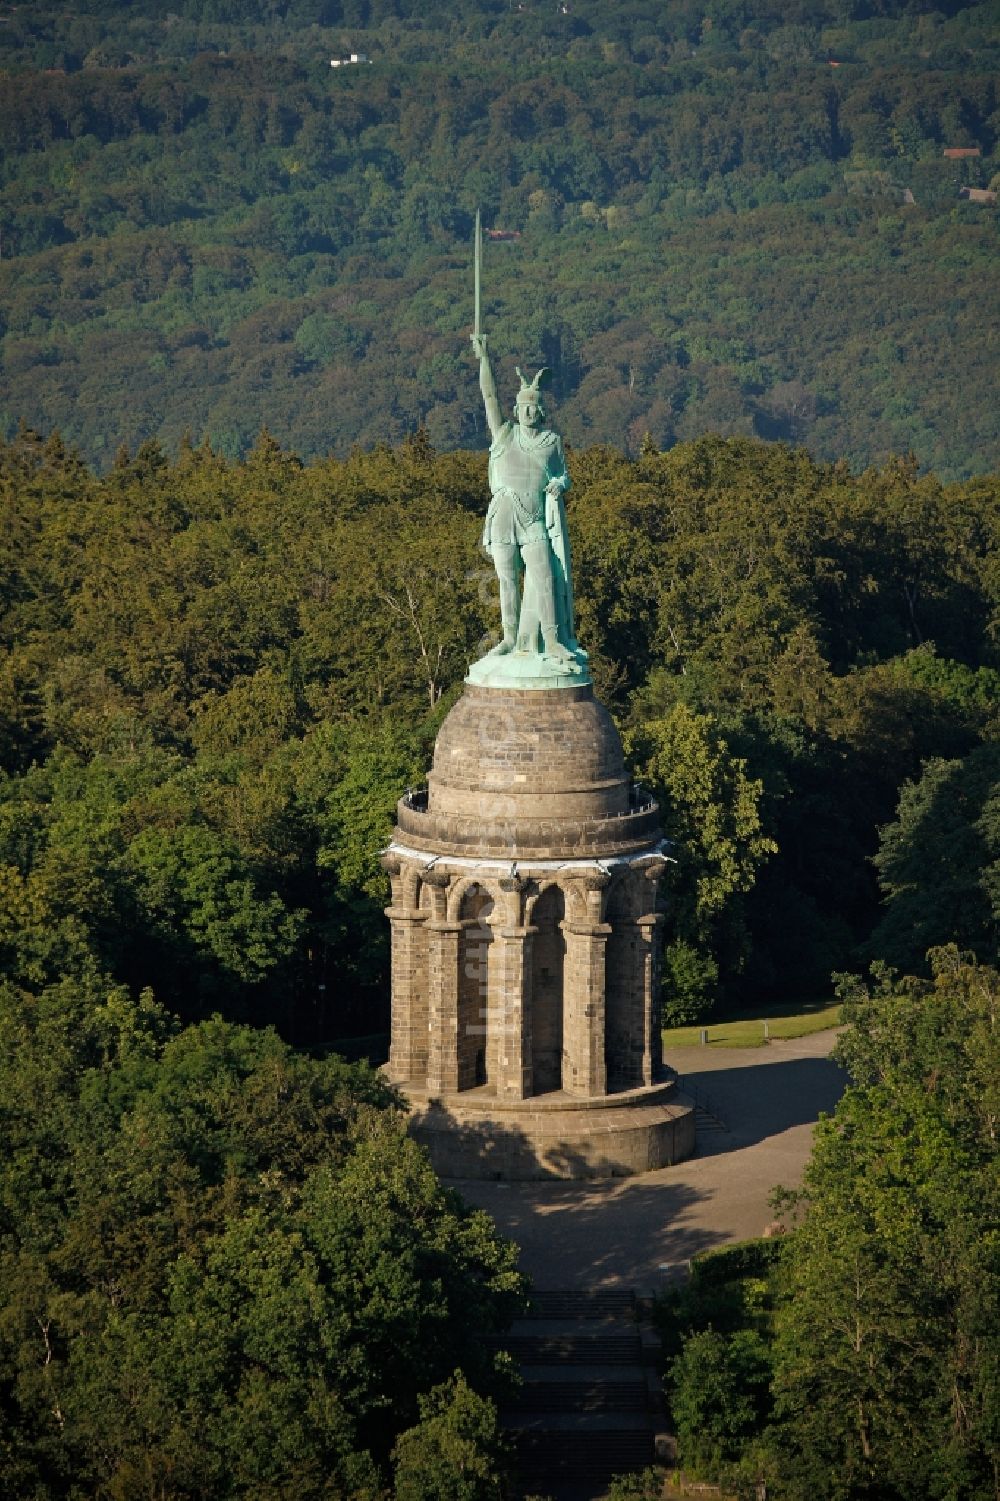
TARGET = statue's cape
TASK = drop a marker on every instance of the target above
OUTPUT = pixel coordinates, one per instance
(555, 525)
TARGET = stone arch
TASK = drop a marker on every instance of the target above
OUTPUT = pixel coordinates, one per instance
(548, 968)
(575, 893)
(411, 886)
(474, 908)
(533, 898)
(459, 890)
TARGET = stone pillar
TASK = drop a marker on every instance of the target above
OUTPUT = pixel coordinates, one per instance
(442, 985)
(512, 947)
(647, 967)
(408, 1042)
(584, 1069)
(650, 922)
(633, 1037)
(408, 1026)
(585, 988)
(442, 1006)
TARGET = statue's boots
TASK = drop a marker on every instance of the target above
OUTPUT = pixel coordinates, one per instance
(554, 649)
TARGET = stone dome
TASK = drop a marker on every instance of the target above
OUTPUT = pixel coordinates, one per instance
(530, 773)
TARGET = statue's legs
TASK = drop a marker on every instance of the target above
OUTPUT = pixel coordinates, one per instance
(507, 562)
(537, 558)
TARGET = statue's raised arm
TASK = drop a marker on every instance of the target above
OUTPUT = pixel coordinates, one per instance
(487, 385)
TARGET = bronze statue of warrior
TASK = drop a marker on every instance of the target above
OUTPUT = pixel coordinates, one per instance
(525, 530)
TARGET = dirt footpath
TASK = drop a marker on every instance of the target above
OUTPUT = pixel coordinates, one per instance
(627, 1231)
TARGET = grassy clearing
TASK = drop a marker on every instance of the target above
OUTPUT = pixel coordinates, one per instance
(796, 1020)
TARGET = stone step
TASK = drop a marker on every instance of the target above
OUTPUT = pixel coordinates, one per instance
(591, 1404)
(546, 1329)
(587, 1373)
(550, 1455)
(630, 1395)
(580, 1424)
(574, 1304)
(575, 1349)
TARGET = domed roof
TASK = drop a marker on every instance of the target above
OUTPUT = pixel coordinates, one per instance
(528, 772)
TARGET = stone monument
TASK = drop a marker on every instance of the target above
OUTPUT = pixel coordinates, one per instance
(525, 920)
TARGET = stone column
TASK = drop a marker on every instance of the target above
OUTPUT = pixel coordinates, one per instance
(408, 1026)
(442, 986)
(634, 1044)
(584, 1069)
(512, 947)
(509, 988)
(647, 955)
(650, 922)
(408, 1042)
(442, 1006)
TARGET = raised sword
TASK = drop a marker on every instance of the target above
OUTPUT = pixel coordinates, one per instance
(479, 268)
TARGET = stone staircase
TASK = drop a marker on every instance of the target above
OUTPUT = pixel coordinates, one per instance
(589, 1389)
(705, 1123)
(708, 1116)
(590, 1406)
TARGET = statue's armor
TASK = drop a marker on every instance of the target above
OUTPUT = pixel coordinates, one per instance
(521, 466)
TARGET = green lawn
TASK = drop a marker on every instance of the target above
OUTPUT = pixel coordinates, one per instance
(748, 1031)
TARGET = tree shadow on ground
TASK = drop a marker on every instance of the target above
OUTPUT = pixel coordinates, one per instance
(634, 1232)
(598, 1234)
(564, 1217)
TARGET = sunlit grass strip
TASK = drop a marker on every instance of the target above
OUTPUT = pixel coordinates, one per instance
(750, 1032)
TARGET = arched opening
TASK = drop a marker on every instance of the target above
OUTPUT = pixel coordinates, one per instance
(623, 1035)
(474, 987)
(547, 967)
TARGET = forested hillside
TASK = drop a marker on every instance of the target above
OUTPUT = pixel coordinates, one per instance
(225, 1272)
(207, 228)
(219, 676)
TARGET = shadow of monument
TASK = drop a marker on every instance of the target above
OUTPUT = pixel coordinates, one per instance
(761, 1100)
(637, 1231)
(498, 1151)
(565, 1222)
(576, 1235)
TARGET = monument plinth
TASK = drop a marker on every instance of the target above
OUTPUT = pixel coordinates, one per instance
(525, 920)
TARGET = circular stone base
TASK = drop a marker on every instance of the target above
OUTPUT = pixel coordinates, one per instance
(472, 1135)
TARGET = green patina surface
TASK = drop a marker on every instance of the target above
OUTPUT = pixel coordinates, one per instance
(525, 535)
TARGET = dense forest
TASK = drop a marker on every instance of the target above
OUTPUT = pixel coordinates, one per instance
(219, 676)
(225, 1271)
(857, 1356)
(207, 228)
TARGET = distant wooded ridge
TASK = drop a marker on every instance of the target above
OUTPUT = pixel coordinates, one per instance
(207, 228)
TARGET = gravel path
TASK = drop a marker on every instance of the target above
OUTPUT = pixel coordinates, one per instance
(625, 1231)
